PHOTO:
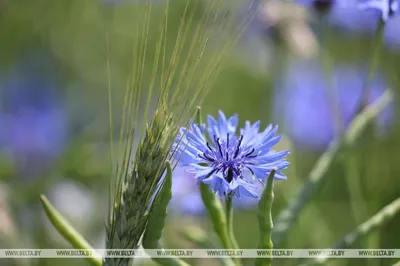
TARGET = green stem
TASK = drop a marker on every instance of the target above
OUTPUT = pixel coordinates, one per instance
(357, 200)
(364, 229)
(288, 217)
(229, 220)
(218, 218)
(202, 239)
(67, 230)
(373, 223)
(265, 220)
(331, 89)
(215, 210)
(216, 213)
(350, 161)
(353, 183)
(373, 63)
(168, 261)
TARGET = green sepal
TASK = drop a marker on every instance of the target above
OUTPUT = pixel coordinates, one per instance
(265, 219)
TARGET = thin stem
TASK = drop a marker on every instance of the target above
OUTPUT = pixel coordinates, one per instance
(373, 63)
(350, 161)
(376, 221)
(364, 229)
(353, 183)
(169, 261)
(288, 217)
(331, 89)
(111, 125)
(357, 200)
(202, 239)
(229, 220)
(67, 230)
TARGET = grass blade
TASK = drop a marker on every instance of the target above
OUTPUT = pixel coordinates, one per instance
(288, 217)
(364, 229)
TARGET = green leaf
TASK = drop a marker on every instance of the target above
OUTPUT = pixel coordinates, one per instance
(67, 230)
(156, 221)
(265, 219)
(158, 213)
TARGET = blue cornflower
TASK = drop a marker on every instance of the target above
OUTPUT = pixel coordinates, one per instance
(227, 162)
(33, 120)
(304, 106)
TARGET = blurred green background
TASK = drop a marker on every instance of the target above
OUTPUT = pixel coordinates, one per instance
(55, 52)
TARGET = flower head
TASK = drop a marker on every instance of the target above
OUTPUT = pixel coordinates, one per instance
(227, 162)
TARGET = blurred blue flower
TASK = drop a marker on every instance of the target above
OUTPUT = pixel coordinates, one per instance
(387, 8)
(230, 164)
(363, 17)
(303, 105)
(185, 193)
(33, 123)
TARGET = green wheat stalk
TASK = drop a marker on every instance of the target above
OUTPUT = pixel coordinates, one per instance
(179, 81)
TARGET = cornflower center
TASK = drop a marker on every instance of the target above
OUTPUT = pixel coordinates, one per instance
(228, 157)
(323, 6)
